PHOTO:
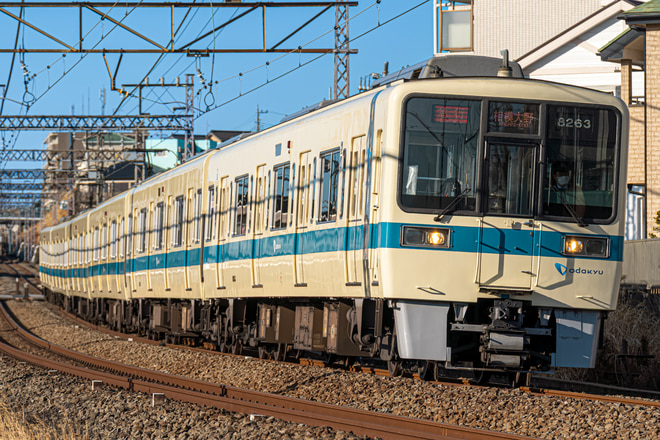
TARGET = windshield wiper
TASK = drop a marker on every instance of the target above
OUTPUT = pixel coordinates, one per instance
(569, 208)
(449, 208)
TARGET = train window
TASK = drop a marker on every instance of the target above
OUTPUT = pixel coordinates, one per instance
(142, 230)
(197, 217)
(177, 232)
(240, 219)
(210, 214)
(440, 154)
(268, 198)
(510, 179)
(96, 244)
(292, 192)
(329, 185)
(104, 242)
(260, 200)
(122, 239)
(302, 195)
(159, 229)
(113, 240)
(580, 172)
(281, 205)
(129, 236)
(311, 205)
(224, 206)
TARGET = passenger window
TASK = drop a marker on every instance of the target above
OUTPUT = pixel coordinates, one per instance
(113, 240)
(96, 244)
(177, 233)
(240, 219)
(129, 236)
(122, 239)
(142, 226)
(158, 233)
(210, 214)
(104, 243)
(197, 217)
(329, 185)
(281, 206)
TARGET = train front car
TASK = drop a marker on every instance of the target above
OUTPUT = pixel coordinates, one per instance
(503, 250)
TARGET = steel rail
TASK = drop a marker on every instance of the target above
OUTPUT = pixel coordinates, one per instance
(229, 398)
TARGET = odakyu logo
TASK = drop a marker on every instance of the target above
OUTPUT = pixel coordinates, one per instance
(563, 270)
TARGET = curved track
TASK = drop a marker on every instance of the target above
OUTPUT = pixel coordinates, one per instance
(239, 400)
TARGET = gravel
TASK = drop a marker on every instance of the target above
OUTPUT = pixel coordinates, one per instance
(496, 409)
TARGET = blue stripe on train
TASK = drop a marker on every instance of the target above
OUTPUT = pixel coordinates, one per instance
(383, 235)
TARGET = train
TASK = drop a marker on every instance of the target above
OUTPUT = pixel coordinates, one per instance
(455, 218)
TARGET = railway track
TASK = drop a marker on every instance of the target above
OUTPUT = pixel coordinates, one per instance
(238, 400)
(529, 390)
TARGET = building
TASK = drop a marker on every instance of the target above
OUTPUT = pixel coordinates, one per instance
(639, 46)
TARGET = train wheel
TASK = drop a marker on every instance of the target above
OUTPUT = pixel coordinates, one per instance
(518, 380)
(279, 353)
(237, 347)
(394, 367)
(425, 369)
(263, 352)
(482, 377)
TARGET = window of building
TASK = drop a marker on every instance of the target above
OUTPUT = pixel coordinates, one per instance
(281, 207)
(454, 24)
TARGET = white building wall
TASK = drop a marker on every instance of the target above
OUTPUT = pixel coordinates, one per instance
(522, 25)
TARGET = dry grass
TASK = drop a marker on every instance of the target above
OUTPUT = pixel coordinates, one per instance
(21, 426)
(632, 329)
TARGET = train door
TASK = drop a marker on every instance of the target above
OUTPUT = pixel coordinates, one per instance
(193, 248)
(121, 238)
(373, 204)
(301, 246)
(114, 260)
(128, 261)
(259, 223)
(223, 230)
(355, 211)
(506, 243)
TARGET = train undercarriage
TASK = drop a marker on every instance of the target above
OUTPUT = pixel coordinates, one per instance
(474, 340)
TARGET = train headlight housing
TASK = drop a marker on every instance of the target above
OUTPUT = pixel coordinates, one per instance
(427, 237)
(586, 246)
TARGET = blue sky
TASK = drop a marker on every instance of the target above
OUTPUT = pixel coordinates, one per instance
(62, 85)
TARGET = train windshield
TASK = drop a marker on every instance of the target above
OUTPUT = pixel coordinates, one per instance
(564, 172)
(579, 170)
(440, 154)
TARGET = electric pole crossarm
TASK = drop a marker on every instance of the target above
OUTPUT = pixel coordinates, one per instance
(139, 122)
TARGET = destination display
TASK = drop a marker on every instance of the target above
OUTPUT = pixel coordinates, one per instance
(513, 117)
(569, 121)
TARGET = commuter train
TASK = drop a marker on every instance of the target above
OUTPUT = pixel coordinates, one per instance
(424, 222)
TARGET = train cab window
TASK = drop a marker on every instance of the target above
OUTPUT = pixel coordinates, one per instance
(210, 235)
(440, 154)
(240, 219)
(330, 168)
(281, 196)
(159, 229)
(579, 175)
(510, 179)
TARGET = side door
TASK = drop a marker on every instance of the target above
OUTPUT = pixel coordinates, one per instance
(301, 246)
(506, 235)
(355, 212)
(259, 224)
